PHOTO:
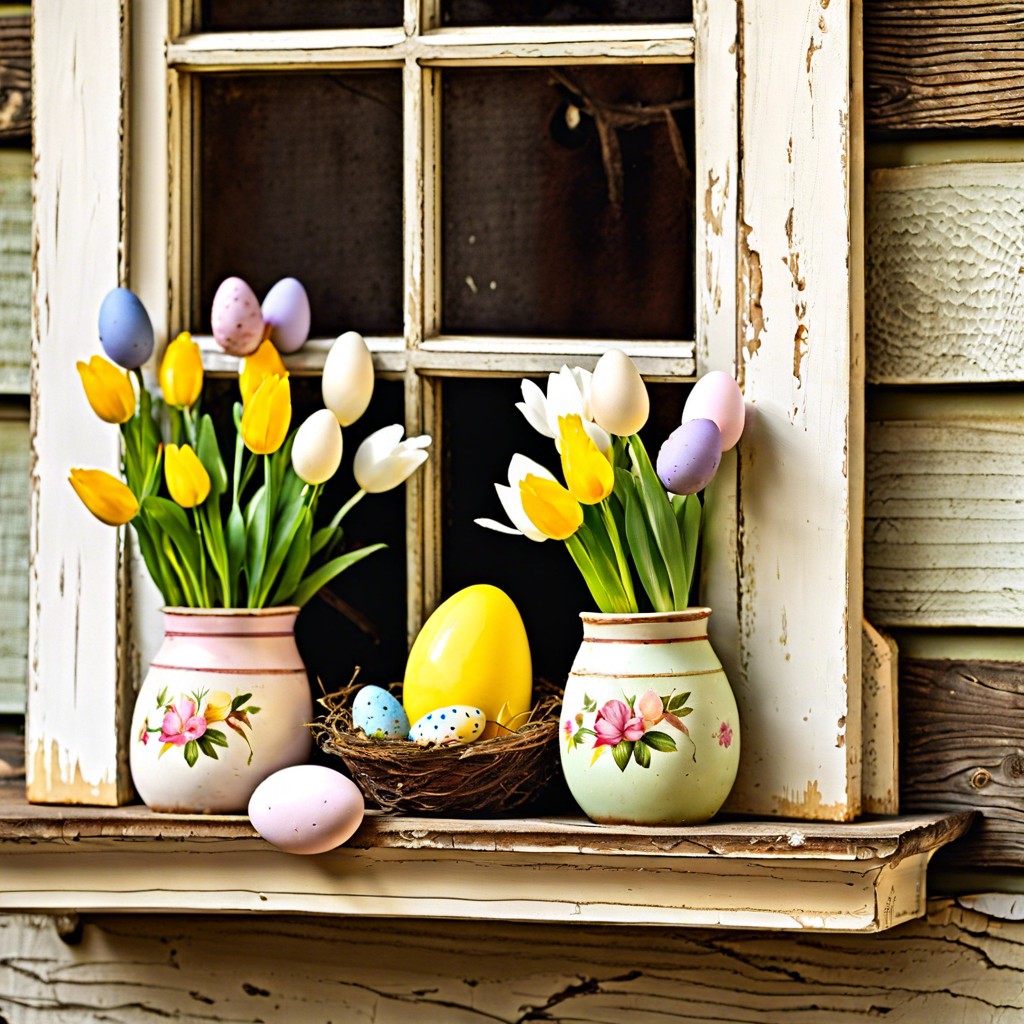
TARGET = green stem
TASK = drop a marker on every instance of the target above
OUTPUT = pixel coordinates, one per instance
(620, 555)
(346, 508)
(183, 577)
(205, 593)
(236, 470)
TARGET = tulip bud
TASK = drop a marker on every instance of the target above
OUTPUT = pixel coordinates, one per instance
(267, 415)
(181, 372)
(256, 368)
(316, 450)
(384, 460)
(348, 378)
(108, 389)
(588, 473)
(187, 479)
(106, 497)
(550, 507)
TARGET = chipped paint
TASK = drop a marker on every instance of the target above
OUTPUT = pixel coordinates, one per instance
(799, 351)
(809, 804)
(751, 282)
(53, 780)
(811, 51)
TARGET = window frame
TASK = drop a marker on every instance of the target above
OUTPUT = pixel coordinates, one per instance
(92, 621)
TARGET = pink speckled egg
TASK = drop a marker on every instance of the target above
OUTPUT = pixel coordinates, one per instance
(236, 318)
(716, 396)
(689, 457)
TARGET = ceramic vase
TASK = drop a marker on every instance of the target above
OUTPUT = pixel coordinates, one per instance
(225, 703)
(650, 733)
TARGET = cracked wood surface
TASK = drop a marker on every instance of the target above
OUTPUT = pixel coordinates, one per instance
(956, 965)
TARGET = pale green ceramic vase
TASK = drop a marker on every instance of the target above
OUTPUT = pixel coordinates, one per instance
(650, 733)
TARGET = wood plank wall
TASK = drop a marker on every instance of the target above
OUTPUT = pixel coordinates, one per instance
(945, 415)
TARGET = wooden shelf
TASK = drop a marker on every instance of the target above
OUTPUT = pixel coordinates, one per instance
(866, 876)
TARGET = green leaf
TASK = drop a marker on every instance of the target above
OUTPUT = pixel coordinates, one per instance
(161, 698)
(312, 583)
(677, 701)
(591, 577)
(240, 700)
(322, 537)
(236, 551)
(173, 523)
(589, 704)
(583, 731)
(649, 564)
(216, 737)
(622, 752)
(661, 521)
(256, 522)
(287, 526)
(209, 455)
(602, 559)
(689, 514)
(191, 752)
(158, 569)
(295, 564)
(642, 754)
(252, 709)
(685, 712)
(207, 747)
(658, 741)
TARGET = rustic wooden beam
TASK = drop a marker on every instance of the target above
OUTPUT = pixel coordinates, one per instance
(962, 746)
(944, 64)
(16, 76)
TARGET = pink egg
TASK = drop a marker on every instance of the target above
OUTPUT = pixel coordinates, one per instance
(716, 396)
(286, 312)
(236, 318)
(689, 457)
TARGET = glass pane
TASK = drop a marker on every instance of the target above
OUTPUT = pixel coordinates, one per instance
(279, 14)
(533, 241)
(482, 430)
(563, 12)
(301, 176)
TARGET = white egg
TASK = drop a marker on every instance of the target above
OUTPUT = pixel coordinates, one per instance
(716, 396)
(450, 724)
(316, 449)
(618, 395)
(348, 378)
(306, 809)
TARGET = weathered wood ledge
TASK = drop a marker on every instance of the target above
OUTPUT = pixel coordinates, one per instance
(865, 876)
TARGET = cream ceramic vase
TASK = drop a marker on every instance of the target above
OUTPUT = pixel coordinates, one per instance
(650, 733)
(225, 703)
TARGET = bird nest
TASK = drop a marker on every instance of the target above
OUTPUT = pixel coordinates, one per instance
(490, 776)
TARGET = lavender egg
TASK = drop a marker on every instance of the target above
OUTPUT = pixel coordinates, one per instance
(126, 332)
(286, 312)
(236, 318)
(689, 457)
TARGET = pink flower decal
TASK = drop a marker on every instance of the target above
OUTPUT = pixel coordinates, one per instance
(724, 735)
(652, 710)
(181, 724)
(616, 723)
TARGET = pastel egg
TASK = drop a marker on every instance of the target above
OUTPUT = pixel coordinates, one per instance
(451, 724)
(379, 714)
(689, 457)
(286, 311)
(347, 383)
(618, 395)
(307, 808)
(236, 318)
(317, 447)
(126, 332)
(716, 396)
(472, 651)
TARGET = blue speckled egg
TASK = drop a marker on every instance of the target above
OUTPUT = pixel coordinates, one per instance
(286, 312)
(126, 332)
(453, 723)
(689, 457)
(378, 714)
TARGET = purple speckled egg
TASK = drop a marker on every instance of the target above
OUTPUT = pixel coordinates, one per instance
(689, 457)
(126, 332)
(286, 312)
(236, 318)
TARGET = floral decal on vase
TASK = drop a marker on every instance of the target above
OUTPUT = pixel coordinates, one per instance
(185, 726)
(626, 727)
(723, 735)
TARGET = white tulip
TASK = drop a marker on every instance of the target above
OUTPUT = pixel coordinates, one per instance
(568, 392)
(511, 501)
(384, 460)
(316, 449)
(348, 378)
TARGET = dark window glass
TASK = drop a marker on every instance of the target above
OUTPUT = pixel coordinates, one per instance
(284, 14)
(563, 12)
(301, 176)
(533, 241)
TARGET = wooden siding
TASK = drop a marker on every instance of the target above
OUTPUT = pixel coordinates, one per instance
(13, 557)
(15, 268)
(943, 523)
(944, 64)
(962, 746)
(958, 965)
(15, 74)
(944, 274)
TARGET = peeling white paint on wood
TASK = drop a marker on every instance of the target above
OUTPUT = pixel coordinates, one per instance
(76, 660)
(798, 643)
(943, 524)
(944, 273)
(880, 791)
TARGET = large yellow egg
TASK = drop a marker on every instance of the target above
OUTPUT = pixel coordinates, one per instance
(473, 650)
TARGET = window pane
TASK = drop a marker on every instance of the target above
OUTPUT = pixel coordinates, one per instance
(482, 430)
(301, 176)
(278, 14)
(532, 240)
(563, 12)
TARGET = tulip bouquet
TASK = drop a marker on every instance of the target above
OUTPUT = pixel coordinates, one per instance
(624, 521)
(242, 538)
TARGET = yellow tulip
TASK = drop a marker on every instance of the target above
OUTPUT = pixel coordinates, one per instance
(181, 372)
(186, 476)
(106, 497)
(267, 415)
(550, 507)
(257, 367)
(108, 389)
(218, 707)
(588, 473)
